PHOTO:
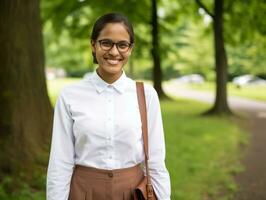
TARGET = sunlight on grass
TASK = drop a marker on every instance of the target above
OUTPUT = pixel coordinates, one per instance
(257, 92)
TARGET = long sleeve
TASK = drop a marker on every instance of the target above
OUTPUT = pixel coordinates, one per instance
(158, 172)
(62, 154)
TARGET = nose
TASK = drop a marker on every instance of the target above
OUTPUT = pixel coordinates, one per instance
(114, 50)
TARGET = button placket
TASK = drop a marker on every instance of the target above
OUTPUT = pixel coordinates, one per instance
(110, 124)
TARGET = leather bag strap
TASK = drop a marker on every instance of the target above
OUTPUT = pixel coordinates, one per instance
(143, 114)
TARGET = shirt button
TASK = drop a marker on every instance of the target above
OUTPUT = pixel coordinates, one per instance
(110, 174)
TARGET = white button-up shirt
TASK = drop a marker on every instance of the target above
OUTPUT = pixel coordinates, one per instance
(97, 124)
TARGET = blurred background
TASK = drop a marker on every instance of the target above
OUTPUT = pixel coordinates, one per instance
(205, 58)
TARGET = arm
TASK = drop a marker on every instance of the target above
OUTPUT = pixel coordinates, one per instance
(61, 160)
(158, 172)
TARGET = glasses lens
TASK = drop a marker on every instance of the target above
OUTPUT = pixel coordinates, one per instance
(123, 46)
(106, 44)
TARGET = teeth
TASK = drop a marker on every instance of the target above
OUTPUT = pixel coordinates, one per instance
(112, 62)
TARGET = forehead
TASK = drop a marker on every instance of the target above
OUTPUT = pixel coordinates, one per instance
(114, 31)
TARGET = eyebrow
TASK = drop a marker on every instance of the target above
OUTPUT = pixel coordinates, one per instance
(115, 41)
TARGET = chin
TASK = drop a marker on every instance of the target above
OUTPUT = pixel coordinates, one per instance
(113, 69)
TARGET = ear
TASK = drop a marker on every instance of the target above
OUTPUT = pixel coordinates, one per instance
(93, 48)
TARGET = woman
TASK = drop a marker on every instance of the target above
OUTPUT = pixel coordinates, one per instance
(97, 147)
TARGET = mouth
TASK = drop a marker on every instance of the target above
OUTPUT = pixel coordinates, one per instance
(112, 61)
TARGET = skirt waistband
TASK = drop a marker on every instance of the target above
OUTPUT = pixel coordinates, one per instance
(103, 173)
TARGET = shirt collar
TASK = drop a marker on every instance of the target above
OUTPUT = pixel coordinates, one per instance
(101, 85)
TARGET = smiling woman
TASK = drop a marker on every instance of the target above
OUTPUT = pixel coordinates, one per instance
(97, 147)
(111, 47)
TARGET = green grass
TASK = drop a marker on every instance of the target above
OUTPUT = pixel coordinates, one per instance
(256, 92)
(202, 152)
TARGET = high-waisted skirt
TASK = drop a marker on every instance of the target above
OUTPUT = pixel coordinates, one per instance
(89, 183)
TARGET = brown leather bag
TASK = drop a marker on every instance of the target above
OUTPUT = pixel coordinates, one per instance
(144, 191)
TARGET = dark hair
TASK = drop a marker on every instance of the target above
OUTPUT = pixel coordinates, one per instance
(110, 18)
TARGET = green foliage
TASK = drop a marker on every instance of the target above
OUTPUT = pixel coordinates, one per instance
(248, 57)
(197, 57)
(186, 41)
(243, 20)
(16, 189)
(67, 52)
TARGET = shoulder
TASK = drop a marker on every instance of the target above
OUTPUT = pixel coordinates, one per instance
(150, 92)
(148, 88)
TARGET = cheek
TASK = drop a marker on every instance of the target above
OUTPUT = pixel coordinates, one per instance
(126, 57)
(99, 54)
(99, 58)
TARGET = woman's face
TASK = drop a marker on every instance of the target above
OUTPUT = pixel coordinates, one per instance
(112, 61)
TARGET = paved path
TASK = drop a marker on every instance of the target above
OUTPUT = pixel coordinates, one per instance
(252, 181)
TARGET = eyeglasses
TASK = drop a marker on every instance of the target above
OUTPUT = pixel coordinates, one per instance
(122, 46)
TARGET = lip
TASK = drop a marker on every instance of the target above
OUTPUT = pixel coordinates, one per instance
(113, 61)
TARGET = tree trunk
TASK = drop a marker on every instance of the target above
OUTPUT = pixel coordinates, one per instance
(26, 112)
(220, 105)
(157, 72)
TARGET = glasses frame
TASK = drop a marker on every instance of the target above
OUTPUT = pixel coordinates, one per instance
(116, 44)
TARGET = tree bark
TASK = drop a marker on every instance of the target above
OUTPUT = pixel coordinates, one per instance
(26, 112)
(157, 72)
(220, 105)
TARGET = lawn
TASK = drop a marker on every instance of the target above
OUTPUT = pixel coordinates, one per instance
(202, 152)
(256, 92)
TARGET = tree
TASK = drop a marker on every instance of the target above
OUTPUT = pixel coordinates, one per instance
(220, 105)
(157, 70)
(244, 22)
(26, 113)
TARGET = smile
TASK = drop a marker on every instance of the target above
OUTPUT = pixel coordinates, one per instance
(113, 61)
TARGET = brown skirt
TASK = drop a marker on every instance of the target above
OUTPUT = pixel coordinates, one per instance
(89, 183)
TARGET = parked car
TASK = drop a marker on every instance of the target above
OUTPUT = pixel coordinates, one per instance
(248, 79)
(191, 78)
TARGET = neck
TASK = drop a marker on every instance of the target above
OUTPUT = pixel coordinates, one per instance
(107, 77)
